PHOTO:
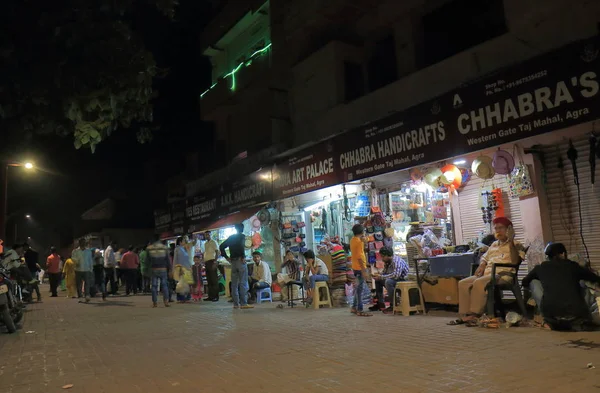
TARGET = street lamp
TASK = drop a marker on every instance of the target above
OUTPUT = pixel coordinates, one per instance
(27, 216)
(4, 195)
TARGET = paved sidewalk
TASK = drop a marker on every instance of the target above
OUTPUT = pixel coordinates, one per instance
(124, 345)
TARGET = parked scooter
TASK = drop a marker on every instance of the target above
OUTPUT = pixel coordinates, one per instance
(11, 308)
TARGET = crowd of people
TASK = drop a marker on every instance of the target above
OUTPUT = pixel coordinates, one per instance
(556, 286)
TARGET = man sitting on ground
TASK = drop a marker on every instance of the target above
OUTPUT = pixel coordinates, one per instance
(395, 270)
(261, 275)
(555, 286)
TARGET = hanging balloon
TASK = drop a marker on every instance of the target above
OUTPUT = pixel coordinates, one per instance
(451, 177)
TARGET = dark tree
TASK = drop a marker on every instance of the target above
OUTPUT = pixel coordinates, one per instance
(76, 68)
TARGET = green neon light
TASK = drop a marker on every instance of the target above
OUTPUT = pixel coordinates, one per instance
(231, 74)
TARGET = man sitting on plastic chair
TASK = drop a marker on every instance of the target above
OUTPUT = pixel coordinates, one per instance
(472, 291)
(261, 276)
(395, 270)
(556, 286)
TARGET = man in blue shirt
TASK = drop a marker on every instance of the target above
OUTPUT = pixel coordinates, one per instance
(84, 269)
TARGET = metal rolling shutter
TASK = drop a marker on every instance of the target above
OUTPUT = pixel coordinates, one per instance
(562, 199)
(470, 211)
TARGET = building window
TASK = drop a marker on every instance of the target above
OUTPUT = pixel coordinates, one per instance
(354, 81)
(458, 26)
(383, 65)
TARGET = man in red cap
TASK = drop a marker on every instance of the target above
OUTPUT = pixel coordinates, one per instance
(472, 294)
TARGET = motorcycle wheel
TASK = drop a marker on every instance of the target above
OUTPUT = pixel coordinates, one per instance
(7, 319)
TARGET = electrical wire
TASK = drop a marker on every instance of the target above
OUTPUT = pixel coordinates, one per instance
(587, 253)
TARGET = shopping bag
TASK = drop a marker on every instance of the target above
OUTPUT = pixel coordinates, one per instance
(182, 288)
(188, 277)
(519, 181)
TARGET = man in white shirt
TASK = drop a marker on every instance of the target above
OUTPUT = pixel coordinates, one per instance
(211, 254)
(261, 275)
(110, 262)
(316, 270)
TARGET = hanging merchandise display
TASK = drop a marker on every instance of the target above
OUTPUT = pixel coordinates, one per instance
(451, 177)
(503, 162)
(519, 181)
(482, 167)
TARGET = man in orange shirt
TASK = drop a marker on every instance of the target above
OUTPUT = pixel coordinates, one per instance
(359, 266)
(53, 269)
(129, 266)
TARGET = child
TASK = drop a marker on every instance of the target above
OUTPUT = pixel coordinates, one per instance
(197, 292)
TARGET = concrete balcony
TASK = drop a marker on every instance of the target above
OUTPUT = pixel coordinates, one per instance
(226, 92)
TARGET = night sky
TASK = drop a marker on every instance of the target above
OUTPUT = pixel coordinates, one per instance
(71, 181)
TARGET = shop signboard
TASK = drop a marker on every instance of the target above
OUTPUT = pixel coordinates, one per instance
(200, 210)
(250, 190)
(547, 93)
(178, 217)
(231, 197)
(162, 220)
(308, 170)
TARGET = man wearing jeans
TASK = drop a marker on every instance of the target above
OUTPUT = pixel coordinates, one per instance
(395, 269)
(359, 266)
(261, 275)
(160, 263)
(84, 264)
(110, 262)
(239, 270)
(53, 268)
(211, 254)
(316, 271)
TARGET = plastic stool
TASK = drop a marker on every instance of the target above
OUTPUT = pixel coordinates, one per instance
(317, 295)
(259, 295)
(404, 307)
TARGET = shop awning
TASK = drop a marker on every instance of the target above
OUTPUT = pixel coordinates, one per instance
(233, 218)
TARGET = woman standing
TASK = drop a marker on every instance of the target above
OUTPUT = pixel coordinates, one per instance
(69, 275)
(182, 272)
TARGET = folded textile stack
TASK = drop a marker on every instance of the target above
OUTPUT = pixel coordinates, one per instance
(338, 297)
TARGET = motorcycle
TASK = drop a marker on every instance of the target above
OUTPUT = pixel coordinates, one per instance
(11, 307)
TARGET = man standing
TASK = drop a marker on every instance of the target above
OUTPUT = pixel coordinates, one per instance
(145, 269)
(99, 273)
(239, 270)
(53, 269)
(84, 262)
(359, 266)
(395, 269)
(555, 286)
(211, 254)
(31, 260)
(160, 263)
(110, 262)
(129, 268)
(261, 275)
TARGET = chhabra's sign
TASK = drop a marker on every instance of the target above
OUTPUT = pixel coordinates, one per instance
(547, 93)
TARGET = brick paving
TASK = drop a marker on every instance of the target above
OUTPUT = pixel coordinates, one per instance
(124, 345)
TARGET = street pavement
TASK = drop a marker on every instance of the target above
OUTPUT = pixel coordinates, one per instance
(126, 346)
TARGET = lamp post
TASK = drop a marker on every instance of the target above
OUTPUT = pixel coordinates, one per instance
(4, 194)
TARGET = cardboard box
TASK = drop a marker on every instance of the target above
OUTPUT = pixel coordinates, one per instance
(445, 291)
